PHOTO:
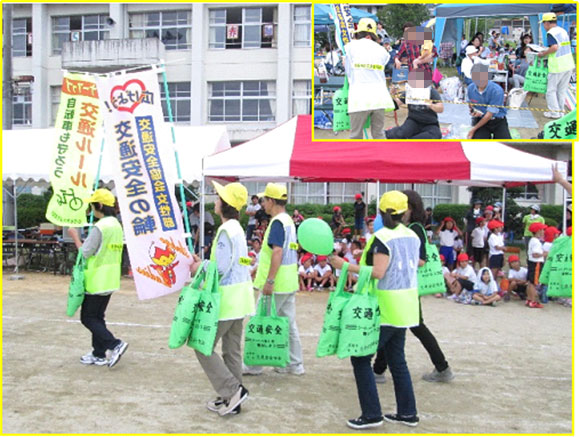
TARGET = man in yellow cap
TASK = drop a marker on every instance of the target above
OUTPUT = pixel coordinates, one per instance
(230, 252)
(103, 251)
(278, 271)
(365, 67)
(560, 65)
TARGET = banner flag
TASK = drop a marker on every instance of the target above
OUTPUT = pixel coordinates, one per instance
(145, 183)
(343, 24)
(76, 156)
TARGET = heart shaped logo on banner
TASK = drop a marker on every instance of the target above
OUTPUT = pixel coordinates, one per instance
(121, 101)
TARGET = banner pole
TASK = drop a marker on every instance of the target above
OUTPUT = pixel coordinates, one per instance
(181, 190)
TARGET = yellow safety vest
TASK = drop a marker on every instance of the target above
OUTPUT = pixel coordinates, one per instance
(103, 270)
(562, 60)
(397, 290)
(286, 280)
(236, 291)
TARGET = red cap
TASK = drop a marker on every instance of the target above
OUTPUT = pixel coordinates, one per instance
(535, 227)
(322, 258)
(569, 231)
(462, 257)
(478, 220)
(252, 254)
(448, 219)
(346, 231)
(336, 208)
(550, 234)
(305, 258)
(358, 196)
(442, 257)
(370, 218)
(513, 258)
(494, 224)
(489, 208)
(189, 203)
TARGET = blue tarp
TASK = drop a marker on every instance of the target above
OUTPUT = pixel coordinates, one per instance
(322, 14)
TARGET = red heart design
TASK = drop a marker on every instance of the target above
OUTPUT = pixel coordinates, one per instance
(123, 88)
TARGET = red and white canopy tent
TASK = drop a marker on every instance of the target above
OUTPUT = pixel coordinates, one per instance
(288, 153)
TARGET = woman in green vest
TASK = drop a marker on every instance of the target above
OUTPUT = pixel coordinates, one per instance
(393, 251)
(103, 250)
(230, 252)
(533, 217)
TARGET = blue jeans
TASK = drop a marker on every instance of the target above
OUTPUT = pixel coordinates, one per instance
(393, 341)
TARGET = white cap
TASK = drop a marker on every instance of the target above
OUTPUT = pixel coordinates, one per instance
(344, 240)
(470, 50)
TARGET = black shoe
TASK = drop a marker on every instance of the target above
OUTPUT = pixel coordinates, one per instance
(363, 422)
(237, 399)
(395, 418)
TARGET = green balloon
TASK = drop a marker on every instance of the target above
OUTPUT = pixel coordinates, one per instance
(315, 236)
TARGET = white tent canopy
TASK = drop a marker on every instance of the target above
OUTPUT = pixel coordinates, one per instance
(27, 153)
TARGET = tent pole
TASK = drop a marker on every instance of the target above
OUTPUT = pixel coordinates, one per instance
(503, 205)
(201, 228)
(565, 202)
(378, 194)
(16, 274)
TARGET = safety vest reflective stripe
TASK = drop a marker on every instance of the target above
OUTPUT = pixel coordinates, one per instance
(237, 293)
(286, 280)
(399, 304)
(562, 60)
(103, 271)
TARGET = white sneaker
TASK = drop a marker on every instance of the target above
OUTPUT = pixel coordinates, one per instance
(246, 370)
(89, 359)
(551, 115)
(118, 353)
(294, 370)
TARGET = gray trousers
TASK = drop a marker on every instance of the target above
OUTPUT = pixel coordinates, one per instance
(358, 120)
(225, 374)
(556, 94)
(286, 307)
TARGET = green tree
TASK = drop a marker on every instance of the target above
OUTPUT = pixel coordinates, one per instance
(393, 17)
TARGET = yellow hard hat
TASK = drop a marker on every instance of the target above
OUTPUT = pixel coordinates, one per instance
(275, 191)
(367, 25)
(102, 195)
(394, 200)
(549, 16)
(234, 194)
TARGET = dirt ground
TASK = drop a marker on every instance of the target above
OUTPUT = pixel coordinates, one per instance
(525, 133)
(513, 367)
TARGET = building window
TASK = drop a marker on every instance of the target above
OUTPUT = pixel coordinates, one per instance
(173, 28)
(242, 28)
(242, 101)
(302, 35)
(529, 192)
(342, 192)
(55, 93)
(301, 97)
(22, 37)
(432, 194)
(78, 28)
(309, 192)
(22, 105)
(179, 99)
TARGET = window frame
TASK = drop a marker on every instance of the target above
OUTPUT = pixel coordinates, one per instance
(101, 29)
(160, 28)
(299, 21)
(241, 97)
(19, 34)
(244, 23)
(26, 105)
(175, 96)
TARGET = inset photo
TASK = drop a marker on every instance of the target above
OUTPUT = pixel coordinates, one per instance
(421, 72)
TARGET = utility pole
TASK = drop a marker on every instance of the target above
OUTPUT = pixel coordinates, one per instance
(7, 66)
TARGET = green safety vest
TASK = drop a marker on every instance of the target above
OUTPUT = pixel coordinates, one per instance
(562, 60)
(527, 221)
(286, 280)
(236, 291)
(103, 270)
(397, 290)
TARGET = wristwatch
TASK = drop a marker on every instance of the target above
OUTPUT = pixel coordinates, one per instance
(270, 281)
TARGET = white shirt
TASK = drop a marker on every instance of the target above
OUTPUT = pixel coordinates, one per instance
(521, 274)
(495, 240)
(322, 270)
(365, 67)
(467, 65)
(546, 246)
(445, 270)
(535, 246)
(302, 270)
(468, 272)
(447, 238)
(477, 237)
(253, 208)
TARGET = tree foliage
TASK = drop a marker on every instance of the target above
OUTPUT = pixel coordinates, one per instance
(393, 16)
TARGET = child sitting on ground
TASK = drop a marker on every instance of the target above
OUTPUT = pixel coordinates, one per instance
(323, 276)
(447, 232)
(464, 274)
(485, 291)
(518, 278)
(306, 273)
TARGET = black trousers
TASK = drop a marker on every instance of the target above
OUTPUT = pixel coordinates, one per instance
(428, 341)
(496, 128)
(93, 318)
(411, 130)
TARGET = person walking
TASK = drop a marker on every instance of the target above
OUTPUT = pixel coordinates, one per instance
(560, 65)
(230, 252)
(393, 253)
(103, 250)
(368, 95)
(277, 273)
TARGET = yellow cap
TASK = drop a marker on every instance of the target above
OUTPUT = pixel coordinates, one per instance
(550, 16)
(102, 195)
(367, 25)
(394, 200)
(275, 191)
(234, 194)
